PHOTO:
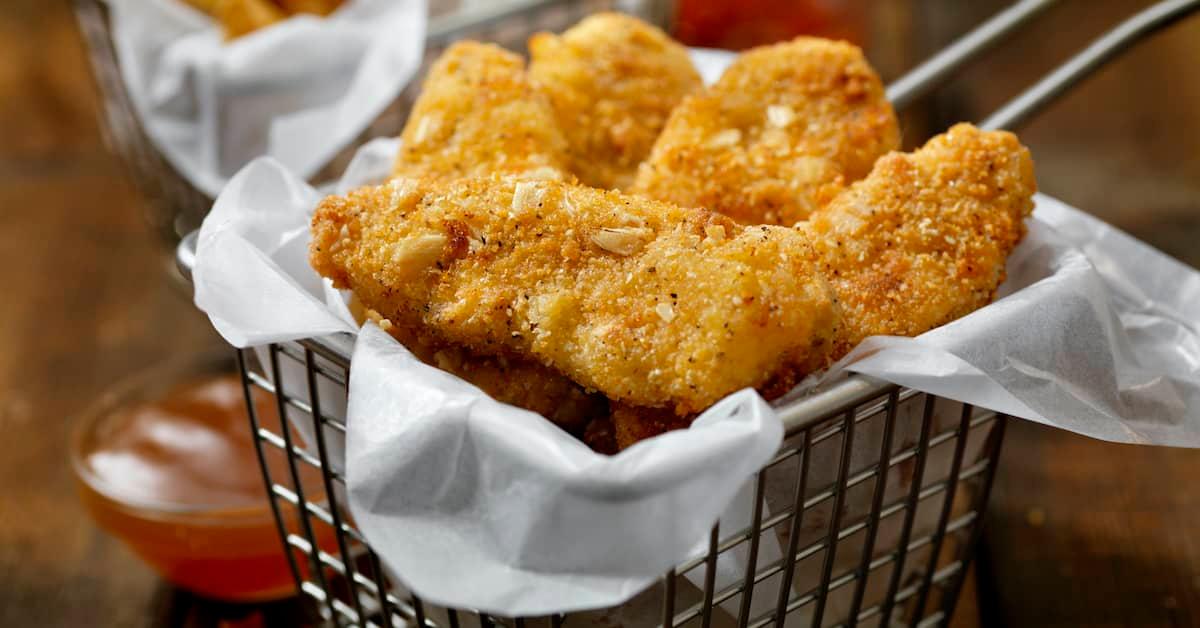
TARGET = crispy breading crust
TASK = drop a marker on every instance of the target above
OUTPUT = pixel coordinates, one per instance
(780, 134)
(612, 81)
(924, 239)
(514, 381)
(649, 303)
(921, 241)
(630, 424)
(478, 115)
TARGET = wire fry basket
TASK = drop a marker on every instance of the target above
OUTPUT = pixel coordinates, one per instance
(868, 514)
(872, 503)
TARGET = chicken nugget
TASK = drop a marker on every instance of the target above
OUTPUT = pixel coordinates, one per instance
(649, 303)
(242, 17)
(631, 424)
(522, 383)
(478, 115)
(612, 80)
(924, 239)
(779, 135)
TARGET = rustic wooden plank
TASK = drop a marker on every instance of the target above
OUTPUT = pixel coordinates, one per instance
(85, 303)
(1082, 532)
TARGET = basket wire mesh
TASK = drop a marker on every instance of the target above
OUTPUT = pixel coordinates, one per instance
(876, 500)
(867, 515)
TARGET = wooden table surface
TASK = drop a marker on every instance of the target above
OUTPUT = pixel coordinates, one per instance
(1080, 532)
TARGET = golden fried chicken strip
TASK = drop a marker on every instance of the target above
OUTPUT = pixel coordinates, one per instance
(648, 303)
(924, 238)
(921, 241)
(514, 381)
(627, 424)
(478, 115)
(779, 135)
(612, 81)
(631, 424)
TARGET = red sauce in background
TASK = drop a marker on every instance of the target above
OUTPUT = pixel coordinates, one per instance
(178, 480)
(191, 448)
(741, 24)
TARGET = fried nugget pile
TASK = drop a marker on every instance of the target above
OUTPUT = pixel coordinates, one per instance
(242, 17)
(600, 239)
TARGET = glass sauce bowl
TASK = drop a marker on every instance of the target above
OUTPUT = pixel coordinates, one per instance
(166, 463)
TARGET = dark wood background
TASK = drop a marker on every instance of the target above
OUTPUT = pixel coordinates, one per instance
(1080, 532)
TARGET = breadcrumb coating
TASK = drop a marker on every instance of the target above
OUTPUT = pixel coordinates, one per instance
(631, 424)
(478, 115)
(924, 239)
(649, 303)
(515, 381)
(921, 241)
(612, 81)
(779, 135)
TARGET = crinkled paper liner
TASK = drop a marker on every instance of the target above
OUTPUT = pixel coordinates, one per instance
(299, 90)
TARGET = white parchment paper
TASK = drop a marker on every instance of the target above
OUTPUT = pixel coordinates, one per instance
(298, 91)
(477, 504)
(1096, 333)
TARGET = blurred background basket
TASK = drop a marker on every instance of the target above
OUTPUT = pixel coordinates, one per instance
(174, 207)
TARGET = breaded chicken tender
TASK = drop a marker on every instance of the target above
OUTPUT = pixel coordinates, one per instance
(514, 381)
(779, 135)
(612, 81)
(478, 115)
(631, 424)
(651, 304)
(924, 238)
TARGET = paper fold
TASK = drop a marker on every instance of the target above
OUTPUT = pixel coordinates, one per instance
(476, 500)
(298, 91)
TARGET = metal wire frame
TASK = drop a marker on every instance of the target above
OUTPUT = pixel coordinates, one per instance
(363, 604)
(880, 556)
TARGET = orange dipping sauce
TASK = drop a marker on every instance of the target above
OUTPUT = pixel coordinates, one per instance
(747, 23)
(175, 476)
